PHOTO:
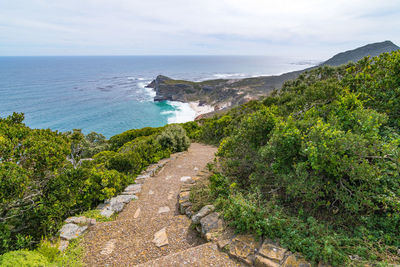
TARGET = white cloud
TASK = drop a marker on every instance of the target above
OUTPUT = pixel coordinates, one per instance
(315, 28)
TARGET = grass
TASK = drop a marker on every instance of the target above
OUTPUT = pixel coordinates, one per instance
(95, 214)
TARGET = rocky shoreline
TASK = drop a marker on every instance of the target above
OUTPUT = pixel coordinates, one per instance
(214, 95)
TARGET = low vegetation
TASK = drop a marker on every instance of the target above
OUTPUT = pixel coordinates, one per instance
(316, 165)
(46, 176)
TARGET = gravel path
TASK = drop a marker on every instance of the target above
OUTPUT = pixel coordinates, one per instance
(127, 241)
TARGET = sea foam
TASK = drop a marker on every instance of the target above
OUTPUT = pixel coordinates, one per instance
(182, 113)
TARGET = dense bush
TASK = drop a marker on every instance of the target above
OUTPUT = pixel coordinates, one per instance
(119, 140)
(317, 164)
(174, 138)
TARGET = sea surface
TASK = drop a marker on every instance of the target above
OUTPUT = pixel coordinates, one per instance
(107, 94)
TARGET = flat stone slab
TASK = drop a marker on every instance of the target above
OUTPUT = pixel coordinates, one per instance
(243, 247)
(164, 209)
(122, 199)
(82, 220)
(133, 188)
(70, 231)
(264, 262)
(161, 238)
(272, 252)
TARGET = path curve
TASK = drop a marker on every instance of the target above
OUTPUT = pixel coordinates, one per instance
(127, 241)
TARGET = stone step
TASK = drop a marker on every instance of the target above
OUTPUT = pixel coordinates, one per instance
(204, 255)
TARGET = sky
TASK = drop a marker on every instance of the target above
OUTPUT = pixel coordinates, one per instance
(312, 29)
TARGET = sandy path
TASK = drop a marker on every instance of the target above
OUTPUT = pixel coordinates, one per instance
(127, 241)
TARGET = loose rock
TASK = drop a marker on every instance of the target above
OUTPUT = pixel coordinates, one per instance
(161, 238)
(186, 179)
(163, 209)
(137, 213)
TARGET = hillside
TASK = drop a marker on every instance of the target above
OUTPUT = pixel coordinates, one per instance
(224, 93)
(355, 55)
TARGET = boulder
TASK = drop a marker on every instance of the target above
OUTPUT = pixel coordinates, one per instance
(204, 211)
(70, 231)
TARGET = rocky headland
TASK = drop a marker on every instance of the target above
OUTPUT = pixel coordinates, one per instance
(214, 95)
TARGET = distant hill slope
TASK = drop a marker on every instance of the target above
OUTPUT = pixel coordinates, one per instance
(355, 55)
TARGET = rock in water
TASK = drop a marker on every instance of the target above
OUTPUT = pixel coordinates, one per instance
(161, 238)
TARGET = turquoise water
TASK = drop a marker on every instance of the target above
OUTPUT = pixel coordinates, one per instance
(108, 94)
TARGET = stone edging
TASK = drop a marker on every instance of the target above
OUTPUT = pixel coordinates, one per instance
(76, 226)
(245, 248)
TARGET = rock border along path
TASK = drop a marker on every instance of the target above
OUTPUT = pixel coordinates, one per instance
(244, 248)
(143, 235)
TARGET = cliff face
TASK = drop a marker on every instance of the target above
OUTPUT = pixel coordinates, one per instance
(223, 93)
(218, 93)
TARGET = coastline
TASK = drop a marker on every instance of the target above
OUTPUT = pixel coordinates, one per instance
(200, 109)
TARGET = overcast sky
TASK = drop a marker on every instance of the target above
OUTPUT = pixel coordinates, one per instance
(314, 29)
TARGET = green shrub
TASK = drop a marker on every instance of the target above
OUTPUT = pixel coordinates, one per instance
(316, 157)
(192, 129)
(23, 258)
(174, 138)
(119, 140)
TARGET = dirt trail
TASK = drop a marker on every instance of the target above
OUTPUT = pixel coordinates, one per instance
(127, 241)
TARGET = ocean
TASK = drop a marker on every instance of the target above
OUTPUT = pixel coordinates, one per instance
(107, 94)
